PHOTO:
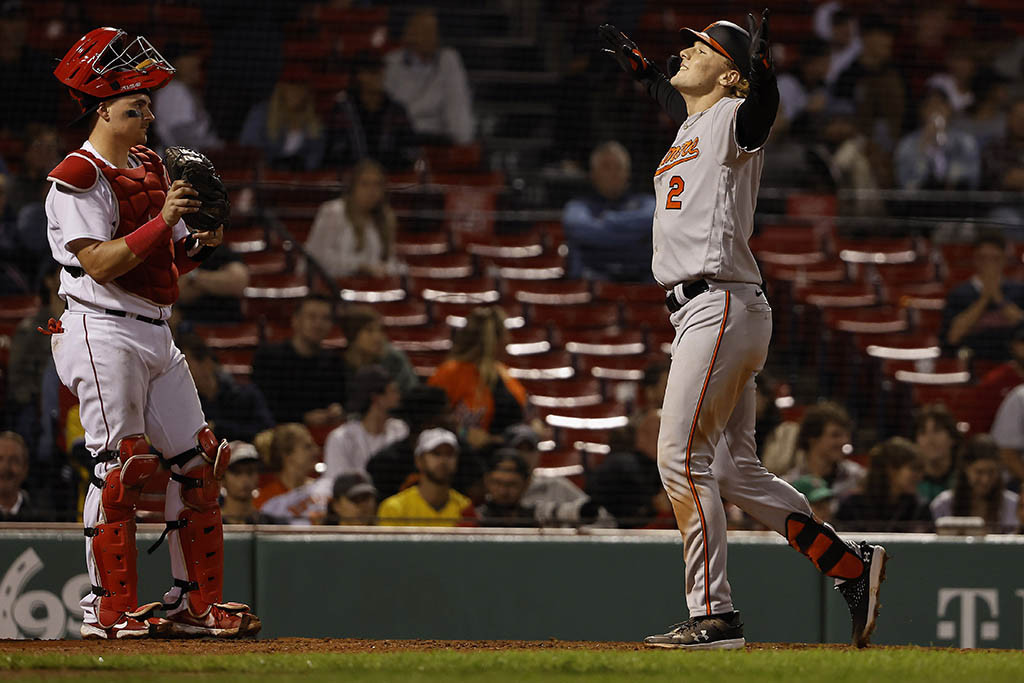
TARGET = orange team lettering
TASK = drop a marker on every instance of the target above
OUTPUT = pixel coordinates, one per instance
(679, 154)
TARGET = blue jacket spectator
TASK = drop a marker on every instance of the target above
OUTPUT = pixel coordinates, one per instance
(609, 231)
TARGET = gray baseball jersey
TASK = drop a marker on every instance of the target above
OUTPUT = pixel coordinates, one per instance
(706, 188)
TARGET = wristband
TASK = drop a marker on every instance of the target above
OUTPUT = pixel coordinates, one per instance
(148, 237)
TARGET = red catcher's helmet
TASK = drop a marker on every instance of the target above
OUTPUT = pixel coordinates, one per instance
(105, 63)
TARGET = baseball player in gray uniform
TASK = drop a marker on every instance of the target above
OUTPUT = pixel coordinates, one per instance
(721, 89)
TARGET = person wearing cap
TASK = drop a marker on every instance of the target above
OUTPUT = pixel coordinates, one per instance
(287, 127)
(432, 501)
(368, 344)
(366, 123)
(372, 397)
(353, 501)
(821, 498)
(238, 488)
(505, 483)
(723, 95)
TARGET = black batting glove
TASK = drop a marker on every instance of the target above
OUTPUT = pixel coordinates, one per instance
(760, 51)
(625, 51)
(672, 65)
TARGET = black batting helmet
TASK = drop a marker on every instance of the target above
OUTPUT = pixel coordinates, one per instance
(725, 38)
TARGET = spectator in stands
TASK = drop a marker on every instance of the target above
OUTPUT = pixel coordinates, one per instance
(1004, 158)
(353, 501)
(23, 70)
(368, 345)
(803, 95)
(212, 293)
(506, 481)
(366, 123)
(821, 448)
(819, 496)
(181, 116)
(1008, 431)
(292, 456)
(627, 483)
(432, 501)
(485, 398)
(431, 83)
(15, 275)
(957, 82)
(996, 384)
(355, 234)
(986, 119)
(15, 503)
(937, 439)
(609, 231)
(889, 501)
(30, 358)
(238, 487)
(394, 467)
(834, 24)
(979, 489)
(874, 86)
(286, 127)
(774, 438)
(301, 380)
(42, 153)
(982, 313)
(372, 396)
(235, 411)
(937, 156)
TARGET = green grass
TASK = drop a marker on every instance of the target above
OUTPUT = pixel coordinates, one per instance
(535, 666)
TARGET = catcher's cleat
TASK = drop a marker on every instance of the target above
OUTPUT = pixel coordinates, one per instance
(861, 594)
(225, 620)
(715, 632)
(127, 627)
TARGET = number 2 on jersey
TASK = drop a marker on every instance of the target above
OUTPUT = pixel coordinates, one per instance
(675, 188)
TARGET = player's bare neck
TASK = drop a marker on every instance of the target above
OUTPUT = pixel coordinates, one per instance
(696, 103)
(110, 146)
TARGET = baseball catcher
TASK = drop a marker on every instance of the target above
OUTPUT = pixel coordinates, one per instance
(115, 225)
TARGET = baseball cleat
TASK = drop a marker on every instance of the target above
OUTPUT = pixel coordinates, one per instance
(221, 621)
(127, 627)
(861, 594)
(715, 632)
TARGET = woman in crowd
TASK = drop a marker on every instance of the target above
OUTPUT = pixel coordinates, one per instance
(936, 437)
(292, 454)
(368, 345)
(484, 397)
(355, 234)
(979, 490)
(286, 127)
(889, 501)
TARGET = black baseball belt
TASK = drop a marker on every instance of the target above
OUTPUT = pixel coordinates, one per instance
(695, 288)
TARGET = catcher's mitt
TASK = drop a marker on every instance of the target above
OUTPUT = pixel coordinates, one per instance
(194, 168)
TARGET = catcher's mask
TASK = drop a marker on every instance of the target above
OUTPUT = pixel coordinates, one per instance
(107, 63)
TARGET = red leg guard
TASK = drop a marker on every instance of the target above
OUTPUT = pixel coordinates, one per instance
(202, 540)
(217, 454)
(113, 541)
(822, 546)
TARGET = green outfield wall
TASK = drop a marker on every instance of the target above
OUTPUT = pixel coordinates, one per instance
(462, 584)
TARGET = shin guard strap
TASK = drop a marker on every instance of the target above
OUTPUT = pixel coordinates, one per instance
(186, 587)
(823, 547)
(168, 527)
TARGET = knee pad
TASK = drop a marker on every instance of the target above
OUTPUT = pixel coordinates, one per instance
(218, 454)
(820, 543)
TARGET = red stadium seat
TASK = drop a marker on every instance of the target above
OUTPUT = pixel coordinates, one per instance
(563, 393)
(236, 361)
(506, 246)
(18, 306)
(246, 240)
(826, 271)
(548, 292)
(426, 362)
(243, 335)
(878, 250)
(630, 292)
(653, 316)
(604, 343)
(837, 295)
(585, 316)
(542, 366)
(273, 296)
(616, 368)
(422, 244)
(478, 291)
(455, 314)
(371, 289)
(266, 262)
(881, 320)
(452, 265)
(544, 267)
(527, 341)
(433, 338)
(895, 275)
(406, 313)
(789, 245)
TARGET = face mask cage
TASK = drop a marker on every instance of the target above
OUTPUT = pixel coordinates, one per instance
(136, 55)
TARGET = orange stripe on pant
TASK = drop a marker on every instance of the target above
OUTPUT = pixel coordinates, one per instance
(689, 443)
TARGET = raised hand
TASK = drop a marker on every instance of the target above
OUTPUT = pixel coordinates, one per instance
(760, 52)
(625, 51)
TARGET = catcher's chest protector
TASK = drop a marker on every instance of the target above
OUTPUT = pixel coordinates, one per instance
(140, 194)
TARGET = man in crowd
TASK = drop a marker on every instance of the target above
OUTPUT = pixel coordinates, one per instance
(1008, 432)
(432, 501)
(301, 380)
(236, 411)
(505, 483)
(15, 503)
(609, 231)
(239, 485)
(982, 313)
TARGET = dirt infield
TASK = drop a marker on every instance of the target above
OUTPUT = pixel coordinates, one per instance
(341, 645)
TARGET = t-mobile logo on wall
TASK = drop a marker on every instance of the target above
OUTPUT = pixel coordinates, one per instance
(979, 615)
